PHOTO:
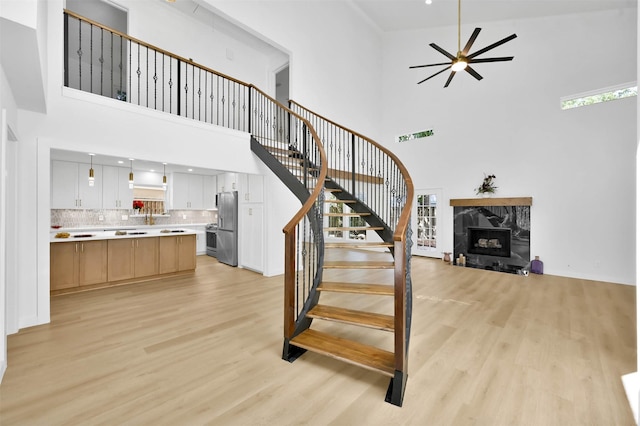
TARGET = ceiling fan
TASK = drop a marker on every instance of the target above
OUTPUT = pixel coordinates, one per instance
(463, 59)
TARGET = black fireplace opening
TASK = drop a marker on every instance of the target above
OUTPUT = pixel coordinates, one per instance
(489, 241)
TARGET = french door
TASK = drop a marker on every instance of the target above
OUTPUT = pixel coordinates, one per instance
(426, 220)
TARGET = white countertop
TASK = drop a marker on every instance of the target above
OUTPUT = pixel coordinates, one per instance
(131, 232)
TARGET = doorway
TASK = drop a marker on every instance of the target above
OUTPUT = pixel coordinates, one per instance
(282, 85)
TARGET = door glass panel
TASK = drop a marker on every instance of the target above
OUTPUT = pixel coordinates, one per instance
(427, 223)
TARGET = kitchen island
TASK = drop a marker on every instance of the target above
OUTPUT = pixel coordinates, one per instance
(83, 260)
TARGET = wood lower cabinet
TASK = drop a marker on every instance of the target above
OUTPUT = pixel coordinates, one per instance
(121, 259)
(177, 253)
(75, 264)
(146, 257)
(83, 263)
(133, 258)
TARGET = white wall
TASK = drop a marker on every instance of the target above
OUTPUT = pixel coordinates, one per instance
(578, 165)
(331, 48)
(158, 24)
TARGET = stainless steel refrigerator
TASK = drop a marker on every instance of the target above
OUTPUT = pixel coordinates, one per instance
(227, 235)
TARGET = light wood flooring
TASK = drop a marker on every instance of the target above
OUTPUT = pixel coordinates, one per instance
(487, 349)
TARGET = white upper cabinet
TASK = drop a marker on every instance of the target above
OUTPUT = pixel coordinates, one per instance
(70, 186)
(252, 187)
(115, 188)
(228, 182)
(187, 192)
(209, 191)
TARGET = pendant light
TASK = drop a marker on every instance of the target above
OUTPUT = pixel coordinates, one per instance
(91, 177)
(164, 176)
(131, 173)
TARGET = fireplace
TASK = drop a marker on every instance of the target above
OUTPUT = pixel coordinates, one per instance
(493, 233)
(489, 241)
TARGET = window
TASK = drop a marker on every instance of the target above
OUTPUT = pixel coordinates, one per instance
(604, 95)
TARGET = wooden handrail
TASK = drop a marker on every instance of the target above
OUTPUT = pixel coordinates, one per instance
(150, 46)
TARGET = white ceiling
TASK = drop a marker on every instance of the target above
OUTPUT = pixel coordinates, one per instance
(396, 15)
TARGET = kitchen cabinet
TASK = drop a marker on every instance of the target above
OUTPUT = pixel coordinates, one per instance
(187, 192)
(227, 182)
(252, 237)
(78, 263)
(177, 253)
(252, 188)
(70, 186)
(209, 192)
(146, 257)
(132, 258)
(115, 188)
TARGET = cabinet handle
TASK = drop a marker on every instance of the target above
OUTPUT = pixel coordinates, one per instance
(82, 247)
(80, 203)
(76, 247)
(137, 243)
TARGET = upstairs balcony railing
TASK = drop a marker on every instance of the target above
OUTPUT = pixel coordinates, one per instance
(106, 62)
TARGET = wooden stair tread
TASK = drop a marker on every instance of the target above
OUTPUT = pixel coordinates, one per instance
(359, 244)
(357, 288)
(336, 201)
(362, 264)
(353, 228)
(352, 214)
(355, 353)
(351, 316)
(333, 190)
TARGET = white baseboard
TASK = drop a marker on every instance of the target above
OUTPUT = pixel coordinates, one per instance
(3, 368)
(631, 383)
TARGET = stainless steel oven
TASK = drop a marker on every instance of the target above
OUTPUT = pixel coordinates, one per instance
(212, 239)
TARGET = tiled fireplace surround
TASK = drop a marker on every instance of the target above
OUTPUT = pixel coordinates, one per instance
(482, 228)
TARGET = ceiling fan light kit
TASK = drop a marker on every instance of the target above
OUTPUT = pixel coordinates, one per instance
(462, 60)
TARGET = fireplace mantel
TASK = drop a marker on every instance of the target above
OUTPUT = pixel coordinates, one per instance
(490, 201)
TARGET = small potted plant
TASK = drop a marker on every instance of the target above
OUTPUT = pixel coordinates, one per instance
(488, 187)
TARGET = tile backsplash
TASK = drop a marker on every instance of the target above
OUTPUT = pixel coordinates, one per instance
(91, 218)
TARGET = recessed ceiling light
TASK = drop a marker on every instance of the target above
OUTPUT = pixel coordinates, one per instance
(190, 170)
(152, 170)
(425, 1)
(120, 162)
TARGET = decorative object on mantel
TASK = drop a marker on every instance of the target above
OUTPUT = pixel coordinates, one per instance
(487, 187)
(537, 267)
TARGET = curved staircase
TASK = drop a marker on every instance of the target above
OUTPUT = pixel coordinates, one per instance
(346, 298)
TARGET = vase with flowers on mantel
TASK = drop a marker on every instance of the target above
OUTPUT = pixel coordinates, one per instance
(488, 187)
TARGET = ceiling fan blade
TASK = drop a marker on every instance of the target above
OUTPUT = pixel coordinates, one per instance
(473, 72)
(441, 50)
(501, 59)
(492, 46)
(431, 76)
(430, 65)
(453, 73)
(471, 40)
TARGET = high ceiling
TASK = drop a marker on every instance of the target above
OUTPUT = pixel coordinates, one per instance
(395, 15)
